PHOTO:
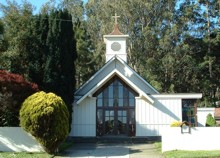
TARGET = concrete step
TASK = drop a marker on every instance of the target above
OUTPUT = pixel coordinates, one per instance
(114, 139)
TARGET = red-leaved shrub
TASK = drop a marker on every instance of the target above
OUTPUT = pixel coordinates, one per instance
(14, 89)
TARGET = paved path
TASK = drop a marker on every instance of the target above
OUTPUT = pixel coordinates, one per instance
(84, 150)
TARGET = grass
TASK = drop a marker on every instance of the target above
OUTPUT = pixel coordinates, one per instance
(62, 147)
(158, 145)
(192, 154)
(188, 154)
(24, 155)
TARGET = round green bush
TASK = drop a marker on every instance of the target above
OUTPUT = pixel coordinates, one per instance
(46, 117)
(210, 121)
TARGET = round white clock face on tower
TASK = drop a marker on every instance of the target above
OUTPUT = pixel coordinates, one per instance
(115, 46)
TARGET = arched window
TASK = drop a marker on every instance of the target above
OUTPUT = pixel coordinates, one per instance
(115, 108)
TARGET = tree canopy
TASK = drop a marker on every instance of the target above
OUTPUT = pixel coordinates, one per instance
(41, 47)
(172, 44)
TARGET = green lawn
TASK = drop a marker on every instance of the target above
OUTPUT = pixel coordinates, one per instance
(158, 146)
(192, 154)
(62, 147)
(24, 155)
(188, 154)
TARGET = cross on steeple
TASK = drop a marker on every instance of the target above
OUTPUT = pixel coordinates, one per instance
(116, 18)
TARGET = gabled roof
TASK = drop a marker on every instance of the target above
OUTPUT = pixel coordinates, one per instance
(115, 66)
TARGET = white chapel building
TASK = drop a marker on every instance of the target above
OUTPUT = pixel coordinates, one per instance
(116, 101)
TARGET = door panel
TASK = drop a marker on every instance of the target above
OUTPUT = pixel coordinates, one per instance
(121, 122)
(116, 122)
(109, 122)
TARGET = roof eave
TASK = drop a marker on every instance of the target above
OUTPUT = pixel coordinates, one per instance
(97, 73)
(104, 80)
(179, 95)
(124, 63)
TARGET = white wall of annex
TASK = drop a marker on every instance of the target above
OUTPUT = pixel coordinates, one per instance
(199, 138)
(84, 118)
(202, 115)
(150, 119)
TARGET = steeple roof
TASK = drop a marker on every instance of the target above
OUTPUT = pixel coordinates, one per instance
(116, 27)
(116, 31)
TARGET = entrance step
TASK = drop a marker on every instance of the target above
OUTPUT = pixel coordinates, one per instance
(115, 139)
(127, 139)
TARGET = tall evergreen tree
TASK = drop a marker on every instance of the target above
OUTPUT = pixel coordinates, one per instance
(85, 53)
(38, 49)
(52, 62)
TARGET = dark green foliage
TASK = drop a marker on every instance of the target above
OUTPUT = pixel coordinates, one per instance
(210, 121)
(52, 55)
(41, 47)
(17, 32)
(85, 48)
(174, 45)
(46, 117)
(3, 41)
(14, 89)
(171, 43)
(38, 49)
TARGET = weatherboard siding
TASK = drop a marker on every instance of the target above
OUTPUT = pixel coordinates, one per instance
(150, 119)
(84, 118)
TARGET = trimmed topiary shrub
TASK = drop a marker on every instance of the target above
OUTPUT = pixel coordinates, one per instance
(14, 89)
(46, 117)
(210, 121)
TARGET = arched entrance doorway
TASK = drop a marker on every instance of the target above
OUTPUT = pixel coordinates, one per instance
(115, 109)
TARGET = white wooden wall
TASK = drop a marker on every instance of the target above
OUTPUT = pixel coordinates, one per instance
(150, 119)
(15, 139)
(202, 115)
(84, 118)
(200, 138)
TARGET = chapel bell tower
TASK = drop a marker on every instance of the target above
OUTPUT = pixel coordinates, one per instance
(115, 43)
